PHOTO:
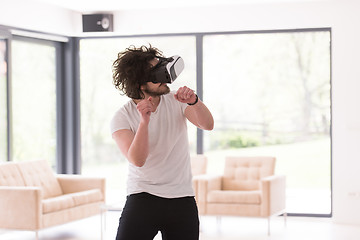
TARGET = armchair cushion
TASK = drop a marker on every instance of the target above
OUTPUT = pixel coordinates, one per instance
(78, 183)
(88, 196)
(245, 173)
(57, 203)
(10, 175)
(39, 174)
(237, 197)
(71, 200)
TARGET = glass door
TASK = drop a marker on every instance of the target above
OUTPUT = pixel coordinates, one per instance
(33, 100)
(3, 101)
(270, 95)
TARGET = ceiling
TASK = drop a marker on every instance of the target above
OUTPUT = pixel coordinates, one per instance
(84, 6)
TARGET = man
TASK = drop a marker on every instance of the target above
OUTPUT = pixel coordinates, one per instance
(151, 132)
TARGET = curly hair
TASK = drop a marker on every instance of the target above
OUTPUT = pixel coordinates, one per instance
(131, 69)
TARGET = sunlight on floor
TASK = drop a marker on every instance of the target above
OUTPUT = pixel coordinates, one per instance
(229, 228)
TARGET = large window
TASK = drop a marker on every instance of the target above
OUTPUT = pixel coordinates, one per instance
(100, 100)
(33, 101)
(3, 101)
(270, 95)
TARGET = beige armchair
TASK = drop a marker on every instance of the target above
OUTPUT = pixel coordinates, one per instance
(198, 168)
(248, 187)
(198, 164)
(32, 197)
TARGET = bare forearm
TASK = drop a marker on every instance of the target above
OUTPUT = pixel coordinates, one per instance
(139, 148)
(202, 116)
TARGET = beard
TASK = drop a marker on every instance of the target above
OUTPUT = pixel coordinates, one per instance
(162, 90)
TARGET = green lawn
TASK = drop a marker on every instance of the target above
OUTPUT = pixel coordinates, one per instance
(305, 164)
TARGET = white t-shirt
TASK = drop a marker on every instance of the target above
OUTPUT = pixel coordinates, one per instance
(167, 170)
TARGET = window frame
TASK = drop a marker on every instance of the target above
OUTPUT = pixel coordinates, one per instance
(6, 36)
(199, 79)
(68, 128)
(59, 43)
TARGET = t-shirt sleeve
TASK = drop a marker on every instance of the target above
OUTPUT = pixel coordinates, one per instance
(119, 122)
(183, 107)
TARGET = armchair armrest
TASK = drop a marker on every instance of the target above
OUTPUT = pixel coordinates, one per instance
(195, 184)
(20, 207)
(273, 194)
(71, 183)
(207, 183)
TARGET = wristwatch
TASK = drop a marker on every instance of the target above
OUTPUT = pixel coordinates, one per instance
(197, 99)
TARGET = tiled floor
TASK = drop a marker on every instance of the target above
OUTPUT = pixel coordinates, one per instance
(230, 228)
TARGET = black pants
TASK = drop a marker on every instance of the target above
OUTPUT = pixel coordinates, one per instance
(145, 214)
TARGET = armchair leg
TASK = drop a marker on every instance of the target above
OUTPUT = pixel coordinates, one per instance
(102, 225)
(200, 224)
(36, 235)
(218, 222)
(285, 218)
(269, 226)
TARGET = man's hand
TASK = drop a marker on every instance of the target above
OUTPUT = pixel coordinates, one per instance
(185, 95)
(198, 113)
(145, 107)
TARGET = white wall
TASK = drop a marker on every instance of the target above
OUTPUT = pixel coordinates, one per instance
(38, 17)
(343, 16)
(346, 114)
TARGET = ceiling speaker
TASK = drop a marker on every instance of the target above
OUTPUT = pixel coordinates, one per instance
(97, 22)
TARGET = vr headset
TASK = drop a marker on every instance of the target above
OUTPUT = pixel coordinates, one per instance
(167, 69)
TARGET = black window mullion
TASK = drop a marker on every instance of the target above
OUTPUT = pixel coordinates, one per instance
(199, 88)
(68, 103)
